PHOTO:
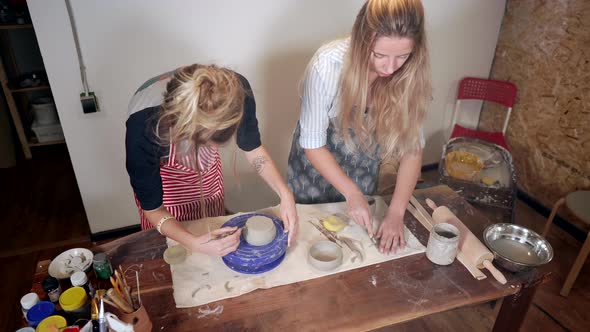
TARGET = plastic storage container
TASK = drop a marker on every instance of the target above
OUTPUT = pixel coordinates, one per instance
(52, 323)
(75, 303)
(81, 279)
(39, 312)
(52, 288)
(102, 266)
(27, 302)
(26, 329)
(44, 111)
(47, 133)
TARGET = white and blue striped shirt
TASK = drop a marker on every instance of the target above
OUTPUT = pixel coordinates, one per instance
(319, 102)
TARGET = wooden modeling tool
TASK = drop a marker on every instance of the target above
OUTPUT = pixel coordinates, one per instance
(121, 303)
(221, 236)
(138, 294)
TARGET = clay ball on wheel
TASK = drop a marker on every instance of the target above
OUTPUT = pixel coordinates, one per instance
(259, 231)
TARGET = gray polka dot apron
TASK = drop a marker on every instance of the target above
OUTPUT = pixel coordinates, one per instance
(309, 187)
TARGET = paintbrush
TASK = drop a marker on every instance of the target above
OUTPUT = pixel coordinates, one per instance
(123, 276)
(116, 287)
(123, 288)
(102, 323)
(127, 287)
(93, 309)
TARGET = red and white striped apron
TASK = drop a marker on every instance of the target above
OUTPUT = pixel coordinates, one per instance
(182, 187)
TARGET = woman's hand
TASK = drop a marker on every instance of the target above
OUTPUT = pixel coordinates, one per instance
(289, 216)
(218, 242)
(358, 210)
(391, 234)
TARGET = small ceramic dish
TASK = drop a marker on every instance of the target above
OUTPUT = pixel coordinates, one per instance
(70, 261)
(325, 256)
(175, 254)
(259, 230)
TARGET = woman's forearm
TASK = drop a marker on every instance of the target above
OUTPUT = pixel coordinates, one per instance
(325, 163)
(266, 168)
(407, 176)
(170, 228)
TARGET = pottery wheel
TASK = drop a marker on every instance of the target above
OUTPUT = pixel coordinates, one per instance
(251, 259)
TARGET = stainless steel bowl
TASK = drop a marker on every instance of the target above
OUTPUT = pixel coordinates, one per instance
(517, 248)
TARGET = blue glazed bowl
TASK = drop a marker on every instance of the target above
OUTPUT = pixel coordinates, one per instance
(251, 259)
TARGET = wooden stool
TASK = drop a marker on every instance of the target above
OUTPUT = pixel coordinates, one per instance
(578, 203)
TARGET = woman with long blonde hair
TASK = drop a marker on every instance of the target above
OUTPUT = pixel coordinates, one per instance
(176, 123)
(364, 100)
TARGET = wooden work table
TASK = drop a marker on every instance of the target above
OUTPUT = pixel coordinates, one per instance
(362, 299)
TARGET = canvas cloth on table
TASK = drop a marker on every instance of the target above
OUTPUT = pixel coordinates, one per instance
(202, 279)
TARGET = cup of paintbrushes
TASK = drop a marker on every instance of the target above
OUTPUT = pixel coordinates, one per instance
(139, 319)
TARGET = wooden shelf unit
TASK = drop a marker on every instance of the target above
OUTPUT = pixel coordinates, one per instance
(9, 90)
(15, 26)
(35, 143)
(33, 88)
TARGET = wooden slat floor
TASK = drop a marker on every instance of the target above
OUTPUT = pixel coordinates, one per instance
(42, 215)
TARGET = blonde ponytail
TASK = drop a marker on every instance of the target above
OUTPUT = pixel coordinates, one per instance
(202, 103)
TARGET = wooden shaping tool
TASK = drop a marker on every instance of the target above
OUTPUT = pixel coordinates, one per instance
(119, 301)
(470, 246)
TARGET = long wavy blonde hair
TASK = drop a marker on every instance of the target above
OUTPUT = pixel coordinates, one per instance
(399, 101)
(202, 103)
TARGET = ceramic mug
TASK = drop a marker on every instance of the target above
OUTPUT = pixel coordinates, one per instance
(442, 244)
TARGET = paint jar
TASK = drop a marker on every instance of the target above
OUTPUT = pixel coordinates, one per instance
(75, 303)
(73, 328)
(80, 279)
(27, 302)
(52, 288)
(26, 329)
(39, 312)
(102, 266)
(52, 323)
(442, 244)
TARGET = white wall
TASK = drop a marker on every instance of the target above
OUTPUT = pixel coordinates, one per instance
(269, 42)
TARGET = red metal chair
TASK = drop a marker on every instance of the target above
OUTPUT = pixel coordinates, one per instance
(499, 92)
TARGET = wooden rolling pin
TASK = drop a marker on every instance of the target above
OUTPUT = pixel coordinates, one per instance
(469, 245)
